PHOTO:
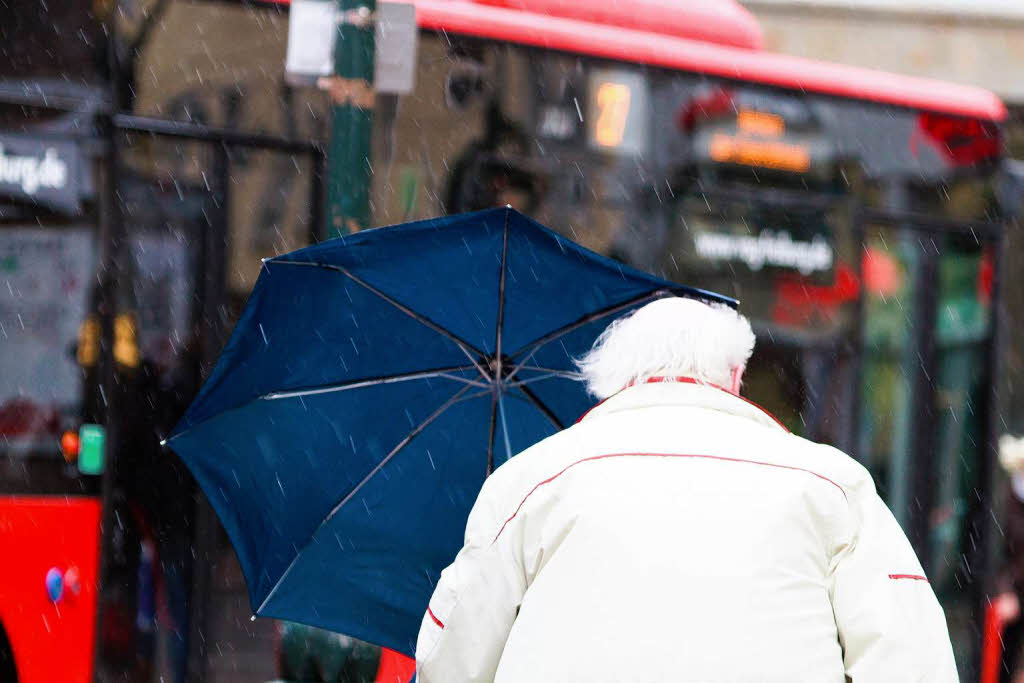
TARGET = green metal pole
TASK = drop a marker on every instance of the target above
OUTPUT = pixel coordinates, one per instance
(352, 94)
(347, 210)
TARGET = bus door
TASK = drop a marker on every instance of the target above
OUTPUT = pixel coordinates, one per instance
(926, 390)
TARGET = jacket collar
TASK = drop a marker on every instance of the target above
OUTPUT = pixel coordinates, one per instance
(682, 391)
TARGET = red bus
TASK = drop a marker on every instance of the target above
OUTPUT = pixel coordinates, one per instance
(855, 213)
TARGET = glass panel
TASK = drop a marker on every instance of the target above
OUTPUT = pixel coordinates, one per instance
(960, 197)
(47, 339)
(165, 225)
(268, 192)
(793, 267)
(791, 264)
(891, 264)
(191, 216)
(159, 297)
(963, 327)
(889, 259)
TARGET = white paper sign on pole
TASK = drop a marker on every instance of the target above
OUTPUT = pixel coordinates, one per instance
(312, 30)
(395, 53)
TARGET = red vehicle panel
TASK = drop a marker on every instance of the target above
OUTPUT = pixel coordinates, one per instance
(50, 546)
(395, 667)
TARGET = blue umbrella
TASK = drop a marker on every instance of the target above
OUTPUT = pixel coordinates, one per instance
(371, 385)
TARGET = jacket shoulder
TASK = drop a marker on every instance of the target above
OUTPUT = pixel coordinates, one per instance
(849, 474)
(534, 464)
(539, 457)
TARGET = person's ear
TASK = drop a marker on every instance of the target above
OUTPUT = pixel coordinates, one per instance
(736, 380)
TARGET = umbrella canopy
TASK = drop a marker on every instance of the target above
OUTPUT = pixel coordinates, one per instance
(371, 385)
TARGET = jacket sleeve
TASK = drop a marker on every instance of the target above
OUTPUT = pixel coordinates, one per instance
(891, 626)
(470, 614)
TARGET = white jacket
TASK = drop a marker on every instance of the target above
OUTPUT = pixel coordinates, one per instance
(679, 533)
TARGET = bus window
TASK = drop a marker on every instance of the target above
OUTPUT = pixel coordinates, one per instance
(46, 277)
(792, 264)
(886, 440)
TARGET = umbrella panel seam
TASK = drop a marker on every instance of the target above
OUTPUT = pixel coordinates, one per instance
(456, 398)
(471, 351)
(443, 373)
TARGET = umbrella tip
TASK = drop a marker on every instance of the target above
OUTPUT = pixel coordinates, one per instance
(252, 618)
(508, 206)
(163, 442)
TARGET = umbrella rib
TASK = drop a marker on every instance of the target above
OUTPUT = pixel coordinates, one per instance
(374, 381)
(504, 426)
(585, 320)
(490, 433)
(501, 289)
(541, 378)
(471, 351)
(548, 374)
(539, 405)
(394, 451)
(356, 384)
(470, 382)
(567, 374)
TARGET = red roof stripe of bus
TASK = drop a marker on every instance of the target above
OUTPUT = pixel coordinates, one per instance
(723, 22)
(645, 47)
(459, 16)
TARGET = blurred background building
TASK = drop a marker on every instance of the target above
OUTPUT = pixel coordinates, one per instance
(975, 42)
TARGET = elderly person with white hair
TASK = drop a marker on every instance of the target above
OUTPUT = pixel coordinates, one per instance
(679, 533)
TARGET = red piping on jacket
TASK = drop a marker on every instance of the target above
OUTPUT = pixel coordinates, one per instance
(915, 577)
(686, 380)
(664, 455)
(434, 617)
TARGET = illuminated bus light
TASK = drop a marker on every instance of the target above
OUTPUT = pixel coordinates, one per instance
(727, 149)
(760, 123)
(613, 111)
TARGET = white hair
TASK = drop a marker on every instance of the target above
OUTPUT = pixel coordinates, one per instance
(671, 337)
